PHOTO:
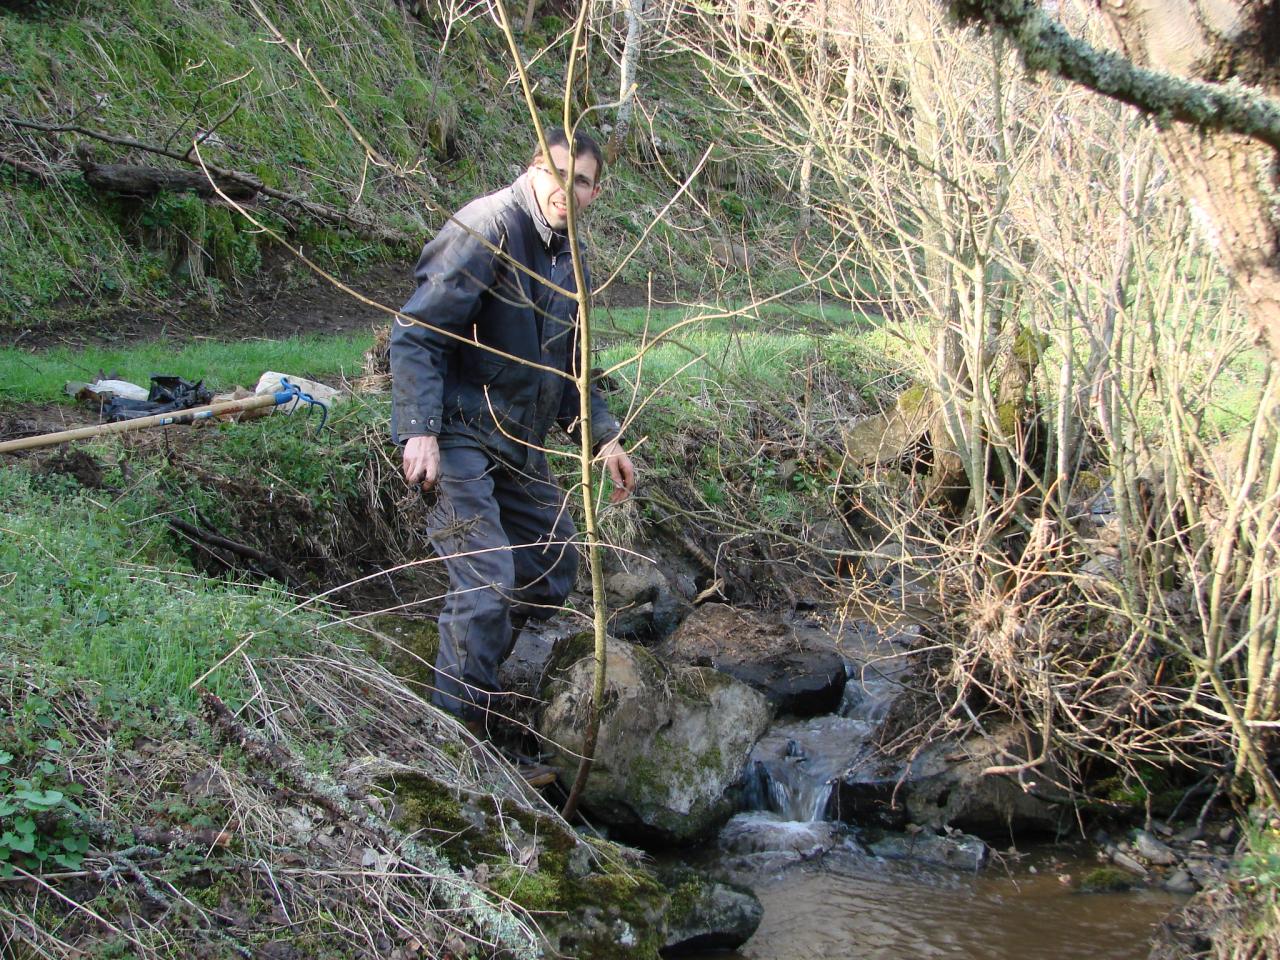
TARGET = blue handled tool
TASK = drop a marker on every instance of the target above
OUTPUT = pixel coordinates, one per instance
(290, 393)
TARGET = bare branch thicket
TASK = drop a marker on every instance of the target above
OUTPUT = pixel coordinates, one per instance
(1101, 564)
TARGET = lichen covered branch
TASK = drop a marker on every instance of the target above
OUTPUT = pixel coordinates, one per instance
(1046, 46)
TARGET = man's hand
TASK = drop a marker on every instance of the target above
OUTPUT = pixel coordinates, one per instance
(422, 461)
(621, 470)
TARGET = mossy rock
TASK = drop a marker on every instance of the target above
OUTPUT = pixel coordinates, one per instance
(706, 914)
(889, 436)
(592, 901)
(672, 739)
(1105, 880)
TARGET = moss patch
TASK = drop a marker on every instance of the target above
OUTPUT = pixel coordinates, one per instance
(1105, 880)
(598, 907)
(407, 646)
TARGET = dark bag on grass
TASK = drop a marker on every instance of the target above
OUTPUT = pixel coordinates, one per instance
(167, 394)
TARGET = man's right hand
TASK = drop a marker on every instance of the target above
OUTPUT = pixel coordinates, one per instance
(422, 461)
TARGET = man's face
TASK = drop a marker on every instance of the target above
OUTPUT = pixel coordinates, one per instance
(551, 199)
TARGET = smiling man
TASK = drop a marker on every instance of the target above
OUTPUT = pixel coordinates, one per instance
(477, 385)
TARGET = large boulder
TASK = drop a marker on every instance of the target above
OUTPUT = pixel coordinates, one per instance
(797, 672)
(944, 785)
(673, 738)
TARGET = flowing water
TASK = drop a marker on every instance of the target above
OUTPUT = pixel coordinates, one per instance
(825, 897)
(855, 906)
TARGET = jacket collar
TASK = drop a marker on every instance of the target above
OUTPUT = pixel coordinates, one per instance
(523, 190)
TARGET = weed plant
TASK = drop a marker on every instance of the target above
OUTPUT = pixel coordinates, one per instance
(96, 591)
(37, 795)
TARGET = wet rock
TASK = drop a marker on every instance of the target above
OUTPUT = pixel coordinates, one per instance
(1153, 849)
(1181, 881)
(708, 915)
(945, 786)
(523, 670)
(760, 831)
(958, 851)
(625, 589)
(686, 586)
(1207, 871)
(673, 739)
(870, 800)
(798, 674)
(643, 606)
(1126, 862)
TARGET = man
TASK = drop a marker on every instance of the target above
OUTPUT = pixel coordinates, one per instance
(473, 421)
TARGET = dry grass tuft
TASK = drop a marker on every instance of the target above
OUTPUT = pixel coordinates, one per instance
(216, 851)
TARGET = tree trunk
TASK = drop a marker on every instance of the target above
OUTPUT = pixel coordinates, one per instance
(133, 180)
(634, 11)
(1231, 179)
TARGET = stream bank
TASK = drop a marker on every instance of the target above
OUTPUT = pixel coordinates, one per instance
(852, 744)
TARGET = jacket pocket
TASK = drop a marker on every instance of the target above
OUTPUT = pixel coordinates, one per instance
(484, 367)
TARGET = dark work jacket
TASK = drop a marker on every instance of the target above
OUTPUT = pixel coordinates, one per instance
(467, 396)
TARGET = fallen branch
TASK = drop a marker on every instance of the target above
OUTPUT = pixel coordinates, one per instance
(133, 180)
(30, 169)
(221, 176)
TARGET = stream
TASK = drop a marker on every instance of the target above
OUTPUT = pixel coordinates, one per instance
(890, 891)
(851, 905)
(827, 894)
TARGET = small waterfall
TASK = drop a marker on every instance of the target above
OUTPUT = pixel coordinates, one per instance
(794, 767)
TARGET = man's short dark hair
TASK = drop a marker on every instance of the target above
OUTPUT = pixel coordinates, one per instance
(583, 145)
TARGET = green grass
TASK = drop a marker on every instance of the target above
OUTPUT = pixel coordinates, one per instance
(40, 377)
(701, 366)
(771, 317)
(1256, 892)
(94, 589)
(160, 71)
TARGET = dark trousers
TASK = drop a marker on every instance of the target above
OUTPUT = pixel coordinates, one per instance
(506, 538)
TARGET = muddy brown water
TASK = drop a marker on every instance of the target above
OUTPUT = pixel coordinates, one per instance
(868, 909)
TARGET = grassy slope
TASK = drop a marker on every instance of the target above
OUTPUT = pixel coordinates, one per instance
(161, 71)
(107, 620)
(104, 628)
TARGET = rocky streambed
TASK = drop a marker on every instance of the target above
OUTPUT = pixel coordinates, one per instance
(752, 749)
